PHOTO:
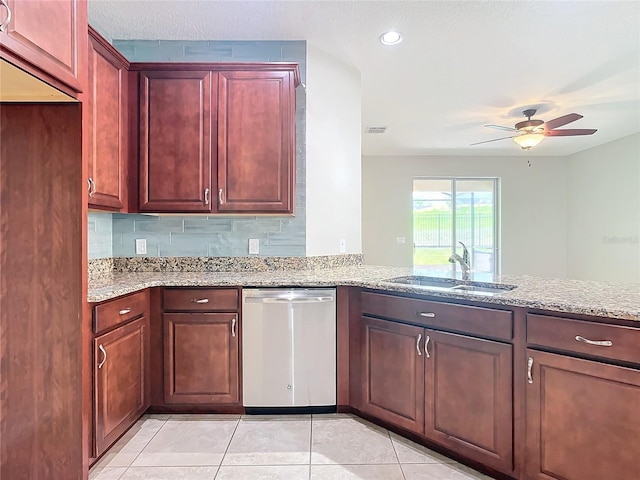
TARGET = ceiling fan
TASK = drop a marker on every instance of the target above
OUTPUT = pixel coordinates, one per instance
(529, 133)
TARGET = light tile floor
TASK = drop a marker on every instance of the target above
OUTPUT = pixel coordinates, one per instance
(301, 447)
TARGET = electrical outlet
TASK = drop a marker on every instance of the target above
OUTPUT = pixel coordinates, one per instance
(141, 246)
(400, 240)
(254, 246)
(343, 245)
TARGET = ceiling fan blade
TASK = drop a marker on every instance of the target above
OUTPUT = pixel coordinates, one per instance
(570, 132)
(494, 140)
(500, 127)
(560, 121)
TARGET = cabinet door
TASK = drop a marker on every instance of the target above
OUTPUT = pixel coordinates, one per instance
(119, 373)
(201, 358)
(393, 367)
(468, 397)
(582, 419)
(46, 35)
(256, 141)
(175, 141)
(107, 97)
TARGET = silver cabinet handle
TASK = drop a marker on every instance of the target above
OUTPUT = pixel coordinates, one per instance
(427, 314)
(220, 197)
(529, 367)
(5, 24)
(426, 346)
(233, 327)
(600, 343)
(418, 344)
(92, 183)
(104, 358)
(206, 196)
(199, 300)
(124, 311)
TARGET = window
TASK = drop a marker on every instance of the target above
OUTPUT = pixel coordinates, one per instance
(448, 210)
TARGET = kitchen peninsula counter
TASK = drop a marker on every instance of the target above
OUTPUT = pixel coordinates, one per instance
(601, 299)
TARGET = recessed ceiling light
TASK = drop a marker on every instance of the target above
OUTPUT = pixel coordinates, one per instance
(391, 38)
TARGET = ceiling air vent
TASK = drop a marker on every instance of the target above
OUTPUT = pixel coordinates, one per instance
(376, 129)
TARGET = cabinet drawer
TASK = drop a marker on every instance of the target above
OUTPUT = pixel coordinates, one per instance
(201, 299)
(120, 310)
(612, 341)
(484, 322)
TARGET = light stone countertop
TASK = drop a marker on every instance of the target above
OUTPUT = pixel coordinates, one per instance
(602, 299)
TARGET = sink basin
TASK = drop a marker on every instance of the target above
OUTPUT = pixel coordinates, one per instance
(453, 285)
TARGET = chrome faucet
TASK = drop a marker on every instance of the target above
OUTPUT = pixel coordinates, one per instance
(463, 261)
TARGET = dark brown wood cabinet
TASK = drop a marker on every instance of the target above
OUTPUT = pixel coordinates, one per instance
(468, 397)
(393, 373)
(107, 112)
(455, 390)
(217, 137)
(582, 419)
(46, 38)
(201, 358)
(201, 346)
(177, 114)
(256, 141)
(120, 381)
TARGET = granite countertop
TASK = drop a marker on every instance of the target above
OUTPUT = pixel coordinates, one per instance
(621, 301)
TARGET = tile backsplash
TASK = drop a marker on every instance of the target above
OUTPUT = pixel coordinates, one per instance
(114, 235)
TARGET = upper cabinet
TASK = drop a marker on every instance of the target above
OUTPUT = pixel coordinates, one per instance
(176, 119)
(107, 125)
(45, 38)
(256, 141)
(217, 138)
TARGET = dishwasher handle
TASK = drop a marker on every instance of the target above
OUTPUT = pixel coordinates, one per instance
(288, 299)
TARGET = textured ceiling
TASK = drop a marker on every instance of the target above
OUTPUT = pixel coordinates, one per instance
(461, 65)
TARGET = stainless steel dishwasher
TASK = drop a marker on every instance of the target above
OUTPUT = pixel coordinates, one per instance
(288, 348)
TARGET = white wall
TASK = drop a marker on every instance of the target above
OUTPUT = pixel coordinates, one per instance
(333, 155)
(533, 208)
(603, 211)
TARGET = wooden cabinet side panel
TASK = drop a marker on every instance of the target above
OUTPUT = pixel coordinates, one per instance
(393, 383)
(582, 419)
(175, 141)
(41, 292)
(256, 141)
(201, 358)
(469, 397)
(47, 36)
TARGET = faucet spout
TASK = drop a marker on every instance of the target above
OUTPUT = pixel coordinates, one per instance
(463, 261)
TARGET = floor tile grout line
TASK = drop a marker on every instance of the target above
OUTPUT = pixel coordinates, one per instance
(145, 446)
(228, 445)
(396, 454)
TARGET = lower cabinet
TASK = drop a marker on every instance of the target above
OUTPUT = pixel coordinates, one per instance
(393, 375)
(582, 419)
(119, 381)
(453, 389)
(201, 358)
(468, 398)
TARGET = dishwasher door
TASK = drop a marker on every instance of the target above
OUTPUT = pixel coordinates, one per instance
(288, 347)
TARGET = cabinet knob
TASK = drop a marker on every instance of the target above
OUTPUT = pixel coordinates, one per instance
(199, 300)
(124, 311)
(90, 181)
(233, 327)
(418, 344)
(5, 24)
(427, 314)
(220, 197)
(206, 196)
(600, 343)
(426, 346)
(529, 370)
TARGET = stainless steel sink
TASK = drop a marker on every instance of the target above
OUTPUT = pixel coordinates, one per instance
(453, 285)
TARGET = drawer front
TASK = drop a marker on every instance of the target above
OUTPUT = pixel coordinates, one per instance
(201, 299)
(484, 322)
(120, 310)
(598, 339)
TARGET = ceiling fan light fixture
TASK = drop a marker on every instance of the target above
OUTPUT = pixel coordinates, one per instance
(528, 140)
(391, 38)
